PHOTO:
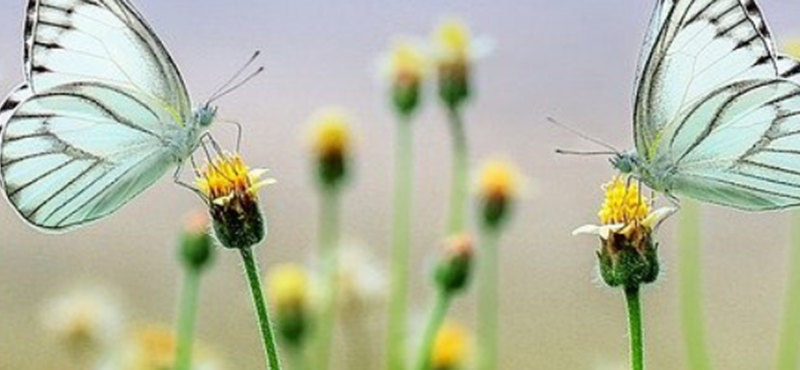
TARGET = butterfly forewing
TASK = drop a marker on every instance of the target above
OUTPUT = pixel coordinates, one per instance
(101, 41)
(702, 46)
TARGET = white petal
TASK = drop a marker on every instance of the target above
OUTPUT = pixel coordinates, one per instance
(587, 229)
(655, 218)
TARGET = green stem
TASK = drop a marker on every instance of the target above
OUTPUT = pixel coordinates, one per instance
(297, 358)
(186, 319)
(789, 345)
(635, 327)
(260, 304)
(691, 294)
(460, 177)
(488, 303)
(435, 321)
(401, 239)
(328, 241)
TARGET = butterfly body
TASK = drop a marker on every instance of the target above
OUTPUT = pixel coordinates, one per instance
(102, 115)
(717, 109)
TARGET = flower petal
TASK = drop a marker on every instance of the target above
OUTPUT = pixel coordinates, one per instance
(655, 218)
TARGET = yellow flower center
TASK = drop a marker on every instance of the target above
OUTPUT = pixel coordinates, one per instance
(450, 347)
(228, 175)
(330, 134)
(623, 203)
(288, 287)
(453, 38)
(499, 180)
(407, 63)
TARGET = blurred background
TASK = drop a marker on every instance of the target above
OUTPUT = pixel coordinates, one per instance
(573, 60)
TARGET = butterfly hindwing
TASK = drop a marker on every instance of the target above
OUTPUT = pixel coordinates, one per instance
(740, 146)
(80, 151)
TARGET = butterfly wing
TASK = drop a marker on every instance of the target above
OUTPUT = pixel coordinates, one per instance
(740, 146)
(699, 45)
(101, 116)
(105, 41)
(80, 151)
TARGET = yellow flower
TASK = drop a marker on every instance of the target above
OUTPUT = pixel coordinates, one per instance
(231, 189)
(624, 209)
(628, 253)
(289, 290)
(499, 185)
(86, 321)
(499, 179)
(330, 135)
(227, 177)
(455, 51)
(153, 347)
(288, 287)
(331, 143)
(451, 347)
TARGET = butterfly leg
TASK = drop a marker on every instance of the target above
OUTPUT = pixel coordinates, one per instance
(238, 134)
(176, 178)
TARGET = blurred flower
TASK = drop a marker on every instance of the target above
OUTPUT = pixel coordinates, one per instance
(331, 143)
(455, 267)
(793, 48)
(455, 52)
(152, 347)
(362, 283)
(451, 347)
(628, 254)
(499, 185)
(87, 321)
(290, 293)
(196, 249)
(405, 67)
(231, 189)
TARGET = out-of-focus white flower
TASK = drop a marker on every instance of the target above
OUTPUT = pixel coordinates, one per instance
(87, 321)
(153, 347)
(362, 281)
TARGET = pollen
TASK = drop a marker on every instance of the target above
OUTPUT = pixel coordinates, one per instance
(624, 203)
(228, 175)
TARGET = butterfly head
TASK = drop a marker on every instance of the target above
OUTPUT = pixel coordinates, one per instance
(625, 162)
(204, 116)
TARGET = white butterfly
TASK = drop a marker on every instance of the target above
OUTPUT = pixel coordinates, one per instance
(102, 115)
(717, 110)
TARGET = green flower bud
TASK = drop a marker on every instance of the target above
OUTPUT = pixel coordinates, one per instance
(454, 270)
(196, 249)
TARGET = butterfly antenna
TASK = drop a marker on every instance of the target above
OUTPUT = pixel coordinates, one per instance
(225, 87)
(233, 88)
(584, 153)
(583, 136)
